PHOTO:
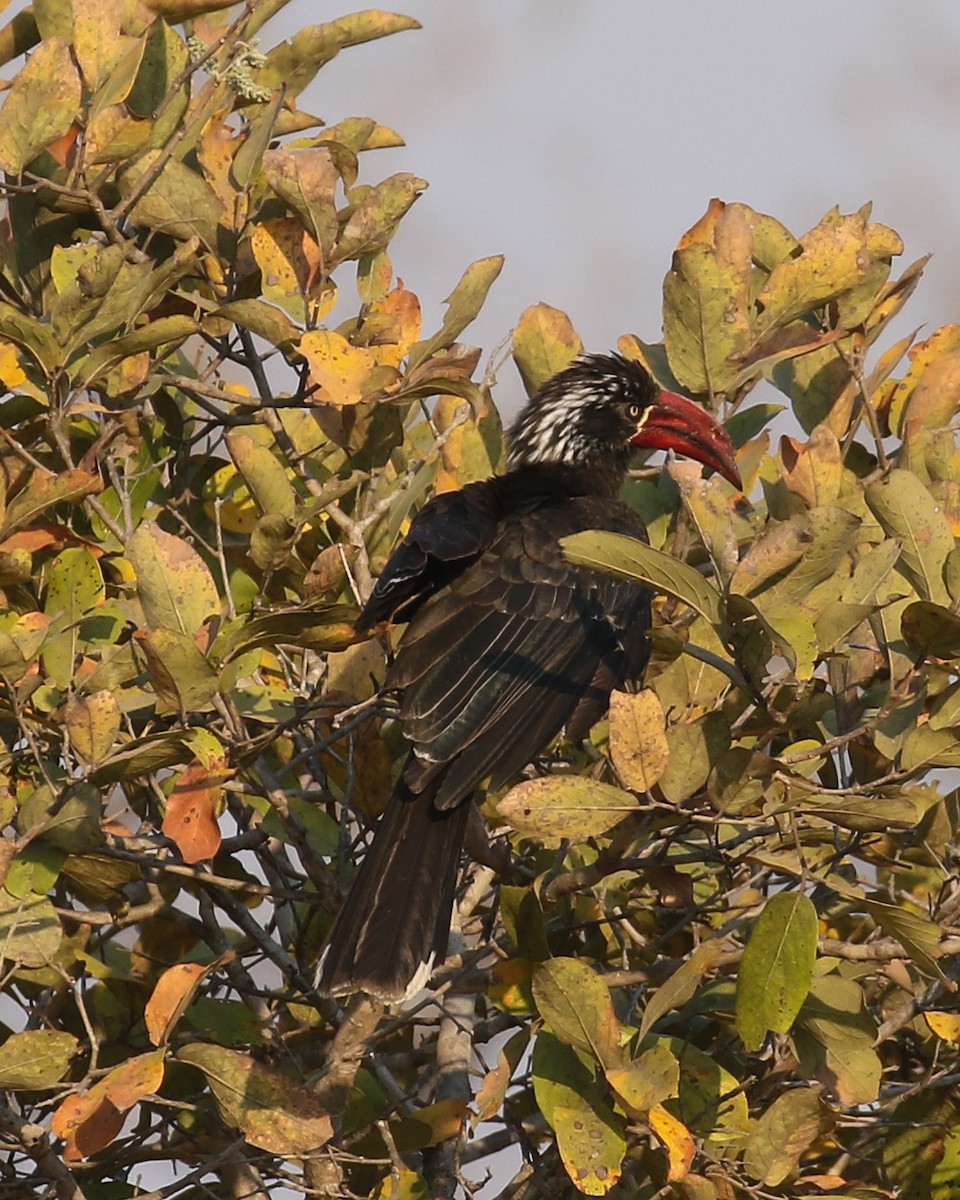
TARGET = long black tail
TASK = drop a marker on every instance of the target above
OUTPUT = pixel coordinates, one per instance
(395, 921)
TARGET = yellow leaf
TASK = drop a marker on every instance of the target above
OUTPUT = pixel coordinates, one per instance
(677, 1141)
(945, 1025)
(638, 740)
(238, 513)
(544, 342)
(172, 994)
(11, 373)
(337, 369)
(291, 266)
(93, 723)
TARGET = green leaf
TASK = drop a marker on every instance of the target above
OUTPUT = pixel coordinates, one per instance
(863, 814)
(263, 319)
(706, 301)
(633, 559)
(292, 65)
(790, 1125)
(648, 1080)
(324, 628)
(779, 545)
(544, 343)
(566, 1092)
(71, 824)
(749, 422)
(183, 680)
(835, 1018)
(164, 59)
(931, 629)
(273, 1113)
(712, 1104)
(522, 915)
(264, 475)
(178, 201)
(35, 868)
(74, 588)
(592, 1143)
(30, 932)
(164, 331)
(832, 260)
(41, 105)
(374, 221)
(908, 512)
(777, 967)
(576, 1006)
(463, 304)
(678, 988)
(250, 159)
(36, 1058)
(565, 806)
(918, 935)
(695, 748)
(924, 746)
(174, 584)
(826, 534)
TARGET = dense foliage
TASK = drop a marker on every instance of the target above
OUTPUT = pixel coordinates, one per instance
(719, 962)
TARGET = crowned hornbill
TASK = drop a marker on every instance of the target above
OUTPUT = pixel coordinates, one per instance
(507, 644)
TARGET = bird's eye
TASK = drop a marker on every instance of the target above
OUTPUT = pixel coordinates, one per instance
(634, 411)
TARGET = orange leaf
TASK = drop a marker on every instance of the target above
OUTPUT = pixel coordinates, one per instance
(90, 1122)
(174, 990)
(676, 1139)
(191, 816)
(87, 1123)
(127, 1084)
(396, 319)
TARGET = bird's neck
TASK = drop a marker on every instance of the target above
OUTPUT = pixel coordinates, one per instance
(601, 478)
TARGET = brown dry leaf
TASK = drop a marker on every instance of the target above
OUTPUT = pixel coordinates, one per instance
(337, 369)
(677, 1141)
(172, 994)
(192, 810)
(638, 741)
(127, 1084)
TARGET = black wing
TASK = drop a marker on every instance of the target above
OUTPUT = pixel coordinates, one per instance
(445, 537)
(520, 644)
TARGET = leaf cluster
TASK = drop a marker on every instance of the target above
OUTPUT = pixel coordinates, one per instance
(721, 963)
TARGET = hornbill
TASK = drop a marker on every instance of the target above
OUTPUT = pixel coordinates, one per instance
(507, 644)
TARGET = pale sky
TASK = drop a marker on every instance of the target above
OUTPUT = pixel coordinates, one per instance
(581, 140)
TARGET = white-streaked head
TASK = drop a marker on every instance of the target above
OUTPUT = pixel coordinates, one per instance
(591, 410)
(602, 408)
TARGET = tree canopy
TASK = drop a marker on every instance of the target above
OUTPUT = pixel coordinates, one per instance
(721, 964)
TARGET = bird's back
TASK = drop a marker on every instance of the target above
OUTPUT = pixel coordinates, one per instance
(519, 643)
